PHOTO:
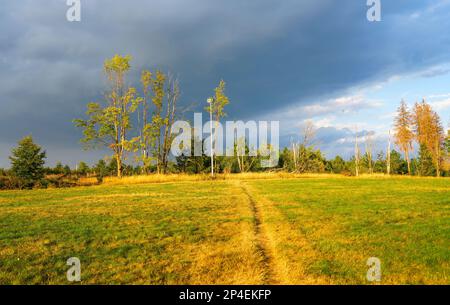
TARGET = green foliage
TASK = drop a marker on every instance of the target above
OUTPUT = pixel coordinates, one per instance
(425, 164)
(447, 142)
(108, 124)
(337, 165)
(380, 163)
(83, 169)
(117, 66)
(152, 132)
(285, 161)
(399, 166)
(112, 167)
(67, 171)
(59, 169)
(219, 101)
(27, 162)
(101, 170)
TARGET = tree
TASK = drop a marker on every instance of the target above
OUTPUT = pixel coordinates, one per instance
(403, 132)
(446, 163)
(67, 171)
(380, 163)
(244, 161)
(304, 153)
(172, 95)
(398, 165)
(425, 165)
(217, 105)
(145, 132)
(447, 142)
(388, 155)
(112, 167)
(285, 160)
(193, 164)
(357, 154)
(155, 136)
(368, 154)
(109, 124)
(83, 168)
(27, 161)
(429, 132)
(101, 170)
(337, 165)
(59, 169)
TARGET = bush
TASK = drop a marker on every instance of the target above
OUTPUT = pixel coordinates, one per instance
(99, 179)
(10, 183)
(59, 181)
(42, 184)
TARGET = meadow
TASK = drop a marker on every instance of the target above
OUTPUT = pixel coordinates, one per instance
(234, 230)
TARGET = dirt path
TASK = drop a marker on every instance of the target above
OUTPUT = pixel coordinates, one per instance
(263, 244)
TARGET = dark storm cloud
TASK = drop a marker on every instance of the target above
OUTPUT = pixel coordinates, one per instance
(271, 53)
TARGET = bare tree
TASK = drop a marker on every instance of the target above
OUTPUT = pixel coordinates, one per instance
(388, 155)
(302, 149)
(172, 95)
(245, 162)
(369, 149)
(356, 153)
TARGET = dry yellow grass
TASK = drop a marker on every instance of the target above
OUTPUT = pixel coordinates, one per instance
(160, 178)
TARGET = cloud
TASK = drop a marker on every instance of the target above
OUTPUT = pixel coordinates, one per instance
(322, 113)
(274, 55)
(435, 72)
(345, 104)
(441, 104)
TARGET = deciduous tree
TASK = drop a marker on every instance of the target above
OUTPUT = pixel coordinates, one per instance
(403, 133)
(429, 132)
(108, 124)
(217, 105)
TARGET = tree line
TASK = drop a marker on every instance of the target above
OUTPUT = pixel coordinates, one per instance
(135, 125)
(423, 126)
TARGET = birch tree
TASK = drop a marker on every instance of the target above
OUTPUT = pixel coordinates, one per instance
(155, 136)
(356, 153)
(369, 151)
(217, 105)
(108, 123)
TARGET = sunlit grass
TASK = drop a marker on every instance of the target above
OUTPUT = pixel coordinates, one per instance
(323, 231)
(154, 234)
(182, 229)
(159, 178)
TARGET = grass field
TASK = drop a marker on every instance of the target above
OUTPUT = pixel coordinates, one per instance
(233, 231)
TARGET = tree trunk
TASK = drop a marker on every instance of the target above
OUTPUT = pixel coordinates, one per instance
(388, 156)
(438, 157)
(119, 166)
(408, 161)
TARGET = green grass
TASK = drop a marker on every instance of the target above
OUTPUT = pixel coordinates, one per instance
(403, 222)
(156, 234)
(314, 230)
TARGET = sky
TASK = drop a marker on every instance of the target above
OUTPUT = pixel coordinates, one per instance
(290, 60)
